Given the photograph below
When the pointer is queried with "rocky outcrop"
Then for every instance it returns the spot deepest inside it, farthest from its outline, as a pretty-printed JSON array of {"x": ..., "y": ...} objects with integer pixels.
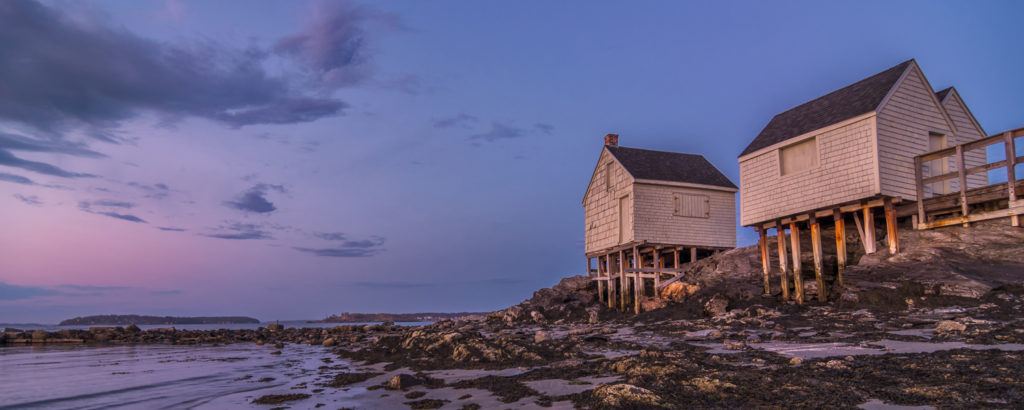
[{"x": 572, "y": 300}]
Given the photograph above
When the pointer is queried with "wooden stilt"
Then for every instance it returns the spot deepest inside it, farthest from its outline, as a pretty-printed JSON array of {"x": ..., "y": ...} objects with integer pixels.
[
  {"x": 693, "y": 255},
  {"x": 869, "y": 231},
  {"x": 762, "y": 245},
  {"x": 891, "y": 231},
  {"x": 675, "y": 255},
  {"x": 919, "y": 182},
  {"x": 610, "y": 261},
  {"x": 816, "y": 250},
  {"x": 660, "y": 263},
  {"x": 637, "y": 282},
  {"x": 622, "y": 280},
  {"x": 781, "y": 239},
  {"x": 798, "y": 280},
  {"x": 840, "y": 245}
]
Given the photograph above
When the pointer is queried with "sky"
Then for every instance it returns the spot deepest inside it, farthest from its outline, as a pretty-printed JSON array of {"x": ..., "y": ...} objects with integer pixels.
[{"x": 291, "y": 160}]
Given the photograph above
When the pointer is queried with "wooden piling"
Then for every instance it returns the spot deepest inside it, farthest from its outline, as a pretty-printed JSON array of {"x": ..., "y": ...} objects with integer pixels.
[
  {"x": 919, "y": 182},
  {"x": 622, "y": 280},
  {"x": 637, "y": 282},
  {"x": 781, "y": 239},
  {"x": 659, "y": 262},
  {"x": 840, "y": 244},
  {"x": 869, "y": 231},
  {"x": 693, "y": 255},
  {"x": 762, "y": 245},
  {"x": 892, "y": 233},
  {"x": 798, "y": 280},
  {"x": 816, "y": 250}
]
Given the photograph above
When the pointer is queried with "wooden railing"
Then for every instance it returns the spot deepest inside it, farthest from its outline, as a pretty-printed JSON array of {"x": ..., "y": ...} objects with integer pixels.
[{"x": 1015, "y": 208}]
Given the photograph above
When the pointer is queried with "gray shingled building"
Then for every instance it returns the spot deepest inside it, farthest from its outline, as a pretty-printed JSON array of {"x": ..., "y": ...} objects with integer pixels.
[{"x": 653, "y": 209}]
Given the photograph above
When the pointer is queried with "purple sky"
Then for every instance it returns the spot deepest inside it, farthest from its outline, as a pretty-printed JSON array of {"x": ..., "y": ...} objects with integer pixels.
[{"x": 289, "y": 160}]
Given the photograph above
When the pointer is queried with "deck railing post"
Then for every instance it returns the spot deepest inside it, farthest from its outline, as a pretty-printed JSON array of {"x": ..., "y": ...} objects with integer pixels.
[
  {"x": 919, "y": 182},
  {"x": 1011, "y": 175},
  {"x": 962, "y": 173}
]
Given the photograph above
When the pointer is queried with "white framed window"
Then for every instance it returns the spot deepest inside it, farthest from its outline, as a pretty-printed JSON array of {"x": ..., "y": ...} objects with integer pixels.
[
  {"x": 691, "y": 205},
  {"x": 799, "y": 157}
]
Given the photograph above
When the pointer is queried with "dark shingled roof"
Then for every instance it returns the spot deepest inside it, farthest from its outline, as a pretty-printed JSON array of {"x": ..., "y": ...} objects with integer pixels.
[
  {"x": 942, "y": 94},
  {"x": 858, "y": 98},
  {"x": 669, "y": 166}
]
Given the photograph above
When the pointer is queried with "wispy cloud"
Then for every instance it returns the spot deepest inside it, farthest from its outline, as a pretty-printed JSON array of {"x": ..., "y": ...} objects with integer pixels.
[
  {"x": 545, "y": 129},
  {"x": 254, "y": 199},
  {"x": 30, "y": 199},
  {"x": 462, "y": 120},
  {"x": 344, "y": 247},
  {"x": 15, "y": 292},
  {"x": 86, "y": 206},
  {"x": 170, "y": 229},
  {"x": 498, "y": 131},
  {"x": 238, "y": 231}
]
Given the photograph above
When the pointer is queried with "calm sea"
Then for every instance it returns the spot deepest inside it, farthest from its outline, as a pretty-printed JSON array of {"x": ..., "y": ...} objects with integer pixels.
[
  {"x": 286, "y": 323},
  {"x": 167, "y": 376}
]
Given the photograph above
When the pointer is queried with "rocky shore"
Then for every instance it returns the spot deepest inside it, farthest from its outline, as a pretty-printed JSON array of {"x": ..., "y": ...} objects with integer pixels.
[{"x": 941, "y": 325}]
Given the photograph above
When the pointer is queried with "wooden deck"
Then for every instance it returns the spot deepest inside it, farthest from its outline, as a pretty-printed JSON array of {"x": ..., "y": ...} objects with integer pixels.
[{"x": 968, "y": 205}]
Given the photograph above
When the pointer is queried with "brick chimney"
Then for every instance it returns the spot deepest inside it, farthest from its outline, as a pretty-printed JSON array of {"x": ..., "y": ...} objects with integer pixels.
[{"x": 611, "y": 139}]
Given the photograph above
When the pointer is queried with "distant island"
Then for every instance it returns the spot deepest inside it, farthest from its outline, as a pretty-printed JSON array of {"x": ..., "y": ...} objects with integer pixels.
[
  {"x": 156, "y": 320},
  {"x": 394, "y": 317}
]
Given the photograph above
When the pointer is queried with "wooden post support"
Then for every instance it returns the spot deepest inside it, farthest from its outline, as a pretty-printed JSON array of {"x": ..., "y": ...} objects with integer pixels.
[
  {"x": 891, "y": 230},
  {"x": 637, "y": 282},
  {"x": 1011, "y": 174},
  {"x": 869, "y": 231},
  {"x": 919, "y": 183},
  {"x": 762, "y": 245},
  {"x": 589, "y": 267},
  {"x": 693, "y": 255},
  {"x": 781, "y": 239},
  {"x": 659, "y": 262},
  {"x": 798, "y": 280},
  {"x": 611, "y": 285},
  {"x": 622, "y": 280},
  {"x": 675, "y": 255},
  {"x": 816, "y": 250},
  {"x": 962, "y": 173},
  {"x": 840, "y": 244}
]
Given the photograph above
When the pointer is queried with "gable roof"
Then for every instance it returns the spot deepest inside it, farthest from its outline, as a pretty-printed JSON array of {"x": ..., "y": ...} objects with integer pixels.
[
  {"x": 941, "y": 95},
  {"x": 855, "y": 99},
  {"x": 669, "y": 166},
  {"x": 952, "y": 92}
]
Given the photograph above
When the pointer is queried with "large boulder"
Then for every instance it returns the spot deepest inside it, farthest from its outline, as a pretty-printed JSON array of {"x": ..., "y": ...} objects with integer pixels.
[{"x": 716, "y": 306}]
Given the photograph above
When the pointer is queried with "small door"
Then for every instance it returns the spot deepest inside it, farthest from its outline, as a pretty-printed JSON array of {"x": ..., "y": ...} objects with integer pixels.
[
  {"x": 624, "y": 223},
  {"x": 939, "y": 166}
]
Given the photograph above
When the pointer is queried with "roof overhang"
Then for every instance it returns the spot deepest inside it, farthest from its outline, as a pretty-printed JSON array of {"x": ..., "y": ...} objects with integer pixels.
[
  {"x": 685, "y": 185},
  {"x": 807, "y": 135}
]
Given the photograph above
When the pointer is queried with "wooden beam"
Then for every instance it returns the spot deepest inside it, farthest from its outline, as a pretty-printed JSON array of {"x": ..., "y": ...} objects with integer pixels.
[
  {"x": 693, "y": 255},
  {"x": 762, "y": 246},
  {"x": 869, "y": 231},
  {"x": 891, "y": 230},
  {"x": 860, "y": 229},
  {"x": 921, "y": 216},
  {"x": 1011, "y": 174},
  {"x": 961, "y": 168},
  {"x": 1016, "y": 210},
  {"x": 853, "y": 206},
  {"x": 600, "y": 284},
  {"x": 675, "y": 255},
  {"x": 622, "y": 280},
  {"x": 658, "y": 263},
  {"x": 638, "y": 282},
  {"x": 840, "y": 245},
  {"x": 781, "y": 239},
  {"x": 798, "y": 280},
  {"x": 816, "y": 250}
]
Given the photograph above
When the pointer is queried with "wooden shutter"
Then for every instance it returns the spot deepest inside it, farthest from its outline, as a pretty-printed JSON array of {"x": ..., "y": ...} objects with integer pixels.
[{"x": 691, "y": 206}]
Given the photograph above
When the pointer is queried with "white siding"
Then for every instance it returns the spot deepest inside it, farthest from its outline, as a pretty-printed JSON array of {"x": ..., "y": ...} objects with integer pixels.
[
  {"x": 966, "y": 131},
  {"x": 656, "y": 222},
  {"x": 904, "y": 122},
  {"x": 846, "y": 172},
  {"x": 601, "y": 206}
]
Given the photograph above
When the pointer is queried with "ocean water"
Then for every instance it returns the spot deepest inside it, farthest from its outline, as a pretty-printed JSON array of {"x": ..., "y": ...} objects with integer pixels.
[
  {"x": 236, "y": 326},
  {"x": 150, "y": 376}
]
